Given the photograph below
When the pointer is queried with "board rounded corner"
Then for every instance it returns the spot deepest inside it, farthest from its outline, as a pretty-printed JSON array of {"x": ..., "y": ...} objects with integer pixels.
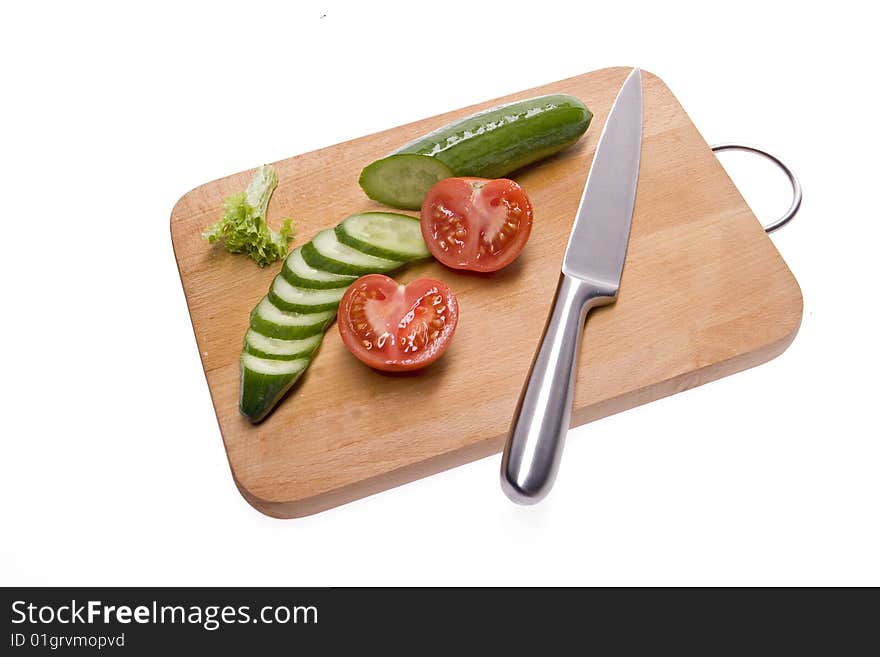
[
  {"x": 278, "y": 509},
  {"x": 797, "y": 317},
  {"x": 182, "y": 202},
  {"x": 788, "y": 330}
]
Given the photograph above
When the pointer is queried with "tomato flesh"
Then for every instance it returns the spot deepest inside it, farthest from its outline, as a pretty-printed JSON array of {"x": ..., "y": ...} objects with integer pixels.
[
  {"x": 476, "y": 224},
  {"x": 396, "y": 328}
]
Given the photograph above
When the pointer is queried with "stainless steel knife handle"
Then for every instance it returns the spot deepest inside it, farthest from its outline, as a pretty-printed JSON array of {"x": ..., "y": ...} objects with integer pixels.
[{"x": 537, "y": 434}]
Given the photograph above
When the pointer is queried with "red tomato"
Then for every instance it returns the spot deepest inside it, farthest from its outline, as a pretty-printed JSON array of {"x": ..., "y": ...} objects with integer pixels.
[
  {"x": 394, "y": 327},
  {"x": 476, "y": 223}
]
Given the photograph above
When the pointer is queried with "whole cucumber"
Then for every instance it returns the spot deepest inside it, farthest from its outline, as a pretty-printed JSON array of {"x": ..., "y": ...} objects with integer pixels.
[{"x": 489, "y": 144}]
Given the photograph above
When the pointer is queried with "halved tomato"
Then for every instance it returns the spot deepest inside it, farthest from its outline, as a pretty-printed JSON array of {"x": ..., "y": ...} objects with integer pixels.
[
  {"x": 476, "y": 223},
  {"x": 394, "y": 327}
]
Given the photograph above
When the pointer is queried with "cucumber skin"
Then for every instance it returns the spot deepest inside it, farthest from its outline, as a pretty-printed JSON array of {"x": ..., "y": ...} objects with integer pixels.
[
  {"x": 370, "y": 249},
  {"x": 263, "y": 354},
  {"x": 259, "y": 392},
  {"x": 487, "y": 144},
  {"x": 309, "y": 284},
  {"x": 314, "y": 258},
  {"x": 303, "y": 308},
  {"x": 278, "y": 302},
  {"x": 286, "y": 332},
  {"x": 556, "y": 121},
  {"x": 306, "y": 353}
]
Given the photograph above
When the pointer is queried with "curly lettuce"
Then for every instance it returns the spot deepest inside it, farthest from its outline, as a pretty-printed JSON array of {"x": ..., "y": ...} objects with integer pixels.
[{"x": 243, "y": 227}]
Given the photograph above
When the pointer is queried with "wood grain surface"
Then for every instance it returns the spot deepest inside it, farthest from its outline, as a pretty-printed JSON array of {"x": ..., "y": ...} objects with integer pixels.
[{"x": 704, "y": 294}]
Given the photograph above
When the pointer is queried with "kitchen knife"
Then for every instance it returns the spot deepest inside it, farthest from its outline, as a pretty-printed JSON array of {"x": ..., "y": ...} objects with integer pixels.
[{"x": 590, "y": 277}]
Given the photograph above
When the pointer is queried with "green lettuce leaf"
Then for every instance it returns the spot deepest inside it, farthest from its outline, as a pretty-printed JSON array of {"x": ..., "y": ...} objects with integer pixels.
[{"x": 243, "y": 227}]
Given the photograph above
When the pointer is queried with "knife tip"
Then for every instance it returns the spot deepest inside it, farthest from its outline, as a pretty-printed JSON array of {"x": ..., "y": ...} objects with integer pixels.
[{"x": 634, "y": 79}]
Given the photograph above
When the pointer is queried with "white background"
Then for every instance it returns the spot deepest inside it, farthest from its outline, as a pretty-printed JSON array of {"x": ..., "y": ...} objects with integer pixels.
[{"x": 112, "y": 469}]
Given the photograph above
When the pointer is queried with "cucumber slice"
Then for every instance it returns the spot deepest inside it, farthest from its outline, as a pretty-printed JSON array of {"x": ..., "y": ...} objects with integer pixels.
[
  {"x": 265, "y": 347},
  {"x": 288, "y": 297},
  {"x": 384, "y": 234},
  {"x": 271, "y": 321},
  {"x": 264, "y": 382},
  {"x": 298, "y": 272},
  {"x": 271, "y": 366},
  {"x": 402, "y": 180},
  {"x": 327, "y": 253}
]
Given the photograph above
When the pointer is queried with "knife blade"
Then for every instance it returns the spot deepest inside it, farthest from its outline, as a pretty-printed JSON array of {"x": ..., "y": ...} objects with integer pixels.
[{"x": 590, "y": 277}]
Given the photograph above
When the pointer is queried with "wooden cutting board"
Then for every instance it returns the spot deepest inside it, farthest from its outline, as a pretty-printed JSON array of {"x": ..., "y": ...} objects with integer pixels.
[{"x": 704, "y": 294}]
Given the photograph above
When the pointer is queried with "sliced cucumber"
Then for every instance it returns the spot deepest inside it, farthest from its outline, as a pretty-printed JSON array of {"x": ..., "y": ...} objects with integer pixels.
[
  {"x": 303, "y": 300},
  {"x": 298, "y": 272},
  {"x": 266, "y": 347},
  {"x": 384, "y": 234},
  {"x": 271, "y": 321},
  {"x": 287, "y": 326},
  {"x": 401, "y": 180},
  {"x": 272, "y": 366},
  {"x": 264, "y": 382},
  {"x": 327, "y": 253}
]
